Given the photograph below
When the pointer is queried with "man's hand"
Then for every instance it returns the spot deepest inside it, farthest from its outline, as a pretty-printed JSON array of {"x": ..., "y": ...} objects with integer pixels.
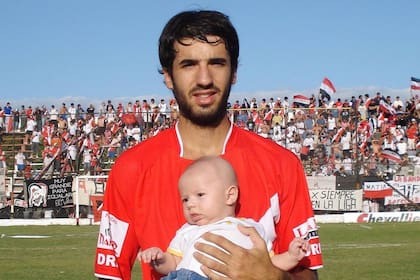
[{"x": 237, "y": 262}]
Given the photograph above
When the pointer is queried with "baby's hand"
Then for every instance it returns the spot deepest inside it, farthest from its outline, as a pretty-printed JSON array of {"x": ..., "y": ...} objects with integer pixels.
[
  {"x": 151, "y": 255},
  {"x": 298, "y": 248}
]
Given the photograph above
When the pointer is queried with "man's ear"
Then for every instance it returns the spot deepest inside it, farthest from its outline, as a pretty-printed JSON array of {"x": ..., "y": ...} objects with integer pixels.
[
  {"x": 234, "y": 77},
  {"x": 167, "y": 79},
  {"x": 232, "y": 194}
]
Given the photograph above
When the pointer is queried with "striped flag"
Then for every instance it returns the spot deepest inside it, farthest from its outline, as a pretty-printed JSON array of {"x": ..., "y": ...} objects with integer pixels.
[
  {"x": 301, "y": 99},
  {"x": 386, "y": 108},
  {"x": 364, "y": 127},
  {"x": 391, "y": 155},
  {"x": 327, "y": 89},
  {"x": 254, "y": 116},
  {"x": 338, "y": 135},
  {"x": 415, "y": 84},
  {"x": 269, "y": 115}
]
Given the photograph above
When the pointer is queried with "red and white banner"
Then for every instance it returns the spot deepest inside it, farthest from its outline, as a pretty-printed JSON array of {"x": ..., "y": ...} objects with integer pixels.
[
  {"x": 407, "y": 187},
  {"x": 376, "y": 190}
]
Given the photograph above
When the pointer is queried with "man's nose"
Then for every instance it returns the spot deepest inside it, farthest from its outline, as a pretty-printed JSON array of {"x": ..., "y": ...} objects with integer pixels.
[{"x": 204, "y": 76}]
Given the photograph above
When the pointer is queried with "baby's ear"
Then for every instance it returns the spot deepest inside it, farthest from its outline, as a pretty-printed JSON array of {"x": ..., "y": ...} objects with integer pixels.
[{"x": 232, "y": 194}]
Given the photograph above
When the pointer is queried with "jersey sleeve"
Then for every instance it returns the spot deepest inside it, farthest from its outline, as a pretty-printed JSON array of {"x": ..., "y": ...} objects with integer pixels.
[
  {"x": 297, "y": 218},
  {"x": 117, "y": 247}
]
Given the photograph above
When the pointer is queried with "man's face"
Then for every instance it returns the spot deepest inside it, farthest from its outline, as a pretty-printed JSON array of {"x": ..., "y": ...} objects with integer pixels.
[{"x": 201, "y": 80}]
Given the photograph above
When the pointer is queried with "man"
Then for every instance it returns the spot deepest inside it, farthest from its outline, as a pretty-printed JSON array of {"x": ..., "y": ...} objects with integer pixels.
[{"x": 199, "y": 53}]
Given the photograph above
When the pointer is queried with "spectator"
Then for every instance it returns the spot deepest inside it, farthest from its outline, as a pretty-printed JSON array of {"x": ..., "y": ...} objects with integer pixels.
[
  {"x": 35, "y": 142},
  {"x": 16, "y": 121},
  {"x": 3, "y": 165},
  {"x": 163, "y": 110},
  {"x": 402, "y": 147},
  {"x": 1, "y": 120},
  {"x": 72, "y": 111},
  {"x": 63, "y": 112},
  {"x": 412, "y": 135},
  {"x": 80, "y": 112},
  {"x": 23, "y": 118},
  {"x": 48, "y": 165},
  {"x": 53, "y": 113},
  {"x": 87, "y": 160},
  {"x": 20, "y": 161}
]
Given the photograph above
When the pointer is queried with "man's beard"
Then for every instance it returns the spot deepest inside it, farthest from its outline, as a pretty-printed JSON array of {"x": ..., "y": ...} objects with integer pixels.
[{"x": 207, "y": 119}]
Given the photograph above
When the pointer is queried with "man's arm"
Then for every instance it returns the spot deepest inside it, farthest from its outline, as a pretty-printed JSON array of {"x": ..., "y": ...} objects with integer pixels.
[{"x": 239, "y": 263}]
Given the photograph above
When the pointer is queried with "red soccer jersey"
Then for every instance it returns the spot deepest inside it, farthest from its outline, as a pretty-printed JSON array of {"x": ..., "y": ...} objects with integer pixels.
[{"x": 142, "y": 207}]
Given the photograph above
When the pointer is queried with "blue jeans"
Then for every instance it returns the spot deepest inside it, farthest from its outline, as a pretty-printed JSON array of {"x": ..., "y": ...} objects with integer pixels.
[{"x": 183, "y": 274}]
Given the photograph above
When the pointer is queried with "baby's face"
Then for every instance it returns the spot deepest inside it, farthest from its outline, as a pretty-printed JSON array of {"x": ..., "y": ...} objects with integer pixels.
[{"x": 203, "y": 200}]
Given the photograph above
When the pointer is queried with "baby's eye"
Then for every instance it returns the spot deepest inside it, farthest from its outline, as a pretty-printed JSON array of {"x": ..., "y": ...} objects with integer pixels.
[
  {"x": 201, "y": 194},
  {"x": 184, "y": 200}
]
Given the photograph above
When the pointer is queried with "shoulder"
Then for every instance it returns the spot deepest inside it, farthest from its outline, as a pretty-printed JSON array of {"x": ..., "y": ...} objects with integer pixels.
[
  {"x": 258, "y": 147},
  {"x": 144, "y": 154}
]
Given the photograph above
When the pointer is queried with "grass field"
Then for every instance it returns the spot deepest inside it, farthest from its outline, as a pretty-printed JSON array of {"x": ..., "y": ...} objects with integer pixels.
[{"x": 351, "y": 251}]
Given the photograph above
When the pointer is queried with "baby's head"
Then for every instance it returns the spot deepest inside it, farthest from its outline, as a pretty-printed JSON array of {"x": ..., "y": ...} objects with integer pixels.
[{"x": 208, "y": 190}]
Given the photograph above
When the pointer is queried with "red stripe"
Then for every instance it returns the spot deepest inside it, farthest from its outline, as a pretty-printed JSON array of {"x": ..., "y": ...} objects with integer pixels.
[
  {"x": 329, "y": 84},
  {"x": 391, "y": 156},
  {"x": 377, "y": 194}
]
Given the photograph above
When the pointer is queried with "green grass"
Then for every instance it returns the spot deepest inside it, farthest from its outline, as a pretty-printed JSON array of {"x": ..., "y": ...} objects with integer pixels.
[
  {"x": 351, "y": 251},
  {"x": 370, "y": 251},
  {"x": 68, "y": 253}
]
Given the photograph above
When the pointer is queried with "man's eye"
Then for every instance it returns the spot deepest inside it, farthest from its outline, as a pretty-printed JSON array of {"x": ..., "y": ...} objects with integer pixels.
[
  {"x": 219, "y": 62},
  {"x": 186, "y": 65}
]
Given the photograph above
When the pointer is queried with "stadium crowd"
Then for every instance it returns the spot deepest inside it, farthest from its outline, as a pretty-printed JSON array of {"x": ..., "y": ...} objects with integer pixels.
[{"x": 359, "y": 135}]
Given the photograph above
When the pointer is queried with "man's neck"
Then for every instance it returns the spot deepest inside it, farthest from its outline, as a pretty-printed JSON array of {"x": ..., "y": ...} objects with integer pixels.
[{"x": 201, "y": 141}]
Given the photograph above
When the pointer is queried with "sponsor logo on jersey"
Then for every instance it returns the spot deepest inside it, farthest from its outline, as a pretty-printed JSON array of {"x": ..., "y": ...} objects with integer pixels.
[
  {"x": 112, "y": 233},
  {"x": 309, "y": 231}
]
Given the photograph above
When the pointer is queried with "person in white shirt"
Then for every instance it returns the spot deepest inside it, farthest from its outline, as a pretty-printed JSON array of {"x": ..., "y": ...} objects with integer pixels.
[
  {"x": 347, "y": 165},
  {"x": 35, "y": 142},
  {"x": 402, "y": 147},
  {"x": 398, "y": 103},
  {"x": 399, "y": 133},
  {"x": 163, "y": 111},
  {"x": 87, "y": 158},
  {"x": 72, "y": 112},
  {"x": 30, "y": 126},
  {"x": 72, "y": 154},
  {"x": 345, "y": 143},
  {"x": 53, "y": 115},
  {"x": 331, "y": 122},
  {"x": 20, "y": 160},
  {"x": 72, "y": 127},
  {"x": 389, "y": 144}
]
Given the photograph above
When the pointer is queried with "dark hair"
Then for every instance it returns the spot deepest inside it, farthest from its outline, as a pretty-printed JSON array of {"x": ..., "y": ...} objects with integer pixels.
[{"x": 197, "y": 25}]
